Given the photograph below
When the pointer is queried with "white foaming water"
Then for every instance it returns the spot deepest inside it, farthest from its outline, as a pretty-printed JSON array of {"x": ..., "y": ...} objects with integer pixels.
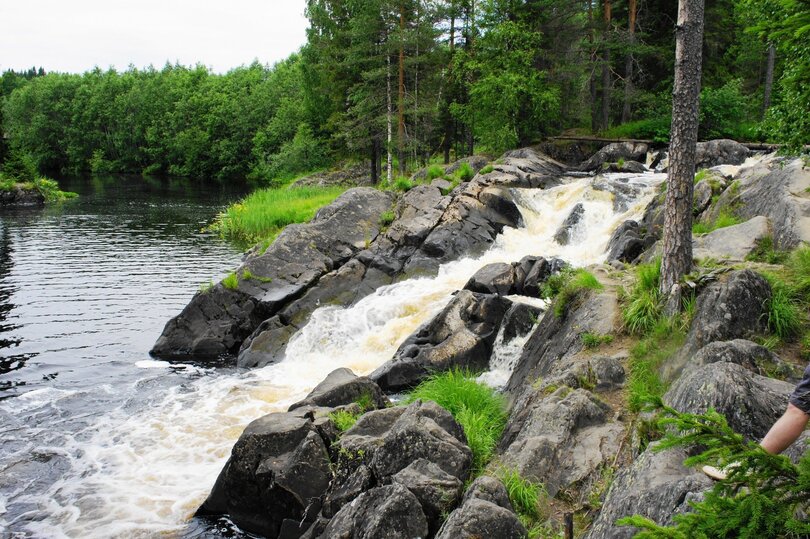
[{"x": 143, "y": 472}]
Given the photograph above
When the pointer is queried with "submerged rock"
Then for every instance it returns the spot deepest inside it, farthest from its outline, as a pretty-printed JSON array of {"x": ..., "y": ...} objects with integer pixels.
[{"x": 565, "y": 234}]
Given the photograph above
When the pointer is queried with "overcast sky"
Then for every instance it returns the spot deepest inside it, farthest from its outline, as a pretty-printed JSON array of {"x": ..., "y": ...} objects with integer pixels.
[{"x": 77, "y": 35}]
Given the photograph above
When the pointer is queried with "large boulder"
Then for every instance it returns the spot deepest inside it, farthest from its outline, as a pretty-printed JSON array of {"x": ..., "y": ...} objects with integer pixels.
[
  {"x": 750, "y": 402},
  {"x": 657, "y": 486},
  {"x": 489, "y": 489},
  {"x": 460, "y": 336},
  {"x": 343, "y": 387},
  {"x": 720, "y": 152},
  {"x": 562, "y": 439},
  {"x": 437, "y": 491},
  {"x": 625, "y": 151},
  {"x": 278, "y": 470},
  {"x": 734, "y": 242},
  {"x": 19, "y": 197},
  {"x": 390, "y": 511},
  {"x": 725, "y": 310},
  {"x": 477, "y": 518},
  {"x": 216, "y": 322},
  {"x": 497, "y": 278},
  {"x": 752, "y": 356},
  {"x": 626, "y": 243}
]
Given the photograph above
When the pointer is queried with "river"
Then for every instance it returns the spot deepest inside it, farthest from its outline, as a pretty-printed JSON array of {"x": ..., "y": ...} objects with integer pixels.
[{"x": 101, "y": 441}]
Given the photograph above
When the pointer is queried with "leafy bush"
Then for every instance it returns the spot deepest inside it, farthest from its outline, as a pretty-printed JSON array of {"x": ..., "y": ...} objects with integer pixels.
[
  {"x": 762, "y": 496},
  {"x": 20, "y": 166},
  {"x": 721, "y": 110},
  {"x": 262, "y": 214},
  {"x": 479, "y": 409}
]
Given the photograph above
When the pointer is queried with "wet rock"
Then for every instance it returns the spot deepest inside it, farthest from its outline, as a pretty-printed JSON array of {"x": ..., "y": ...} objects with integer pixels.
[
  {"x": 566, "y": 231},
  {"x": 21, "y": 198},
  {"x": 390, "y": 511},
  {"x": 561, "y": 439},
  {"x": 724, "y": 311},
  {"x": 342, "y": 387},
  {"x": 519, "y": 320},
  {"x": 479, "y": 518},
  {"x": 626, "y": 244},
  {"x": 538, "y": 273},
  {"x": 460, "y": 336},
  {"x": 734, "y": 242},
  {"x": 752, "y": 356},
  {"x": 555, "y": 343},
  {"x": 266, "y": 344},
  {"x": 217, "y": 321},
  {"x": 750, "y": 402},
  {"x": 612, "y": 153},
  {"x": 437, "y": 491},
  {"x": 720, "y": 152},
  {"x": 657, "y": 486},
  {"x": 345, "y": 489},
  {"x": 493, "y": 279},
  {"x": 702, "y": 197},
  {"x": 279, "y": 462},
  {"x": 630, "y": 166}
]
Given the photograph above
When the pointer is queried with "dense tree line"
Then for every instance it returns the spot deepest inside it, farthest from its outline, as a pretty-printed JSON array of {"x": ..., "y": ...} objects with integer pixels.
[{"x": 395, "y": 82}]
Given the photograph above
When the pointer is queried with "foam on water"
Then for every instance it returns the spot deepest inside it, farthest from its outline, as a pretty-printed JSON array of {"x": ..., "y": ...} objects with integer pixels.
[{"x": 142, "y": 469}]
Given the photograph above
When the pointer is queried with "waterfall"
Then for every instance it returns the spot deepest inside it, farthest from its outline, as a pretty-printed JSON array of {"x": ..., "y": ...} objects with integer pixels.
[{"x": 144, "y": 467}]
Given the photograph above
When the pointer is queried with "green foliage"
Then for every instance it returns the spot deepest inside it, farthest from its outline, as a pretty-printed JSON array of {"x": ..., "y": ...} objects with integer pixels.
[
  {"x": 386, "y": 218},
  {"x": 247, "y": 275},
  {"x": 782, "y": 311},
  {"x": 721, "y": 110},
  {"x": 767, "y": 252},
  {"x": 344, "y": 420},
  {"x": 20, "y": 166},
  {"x": 403, "y": 184},
  {"x": 433, "y": 172},
  {"x": 487, "y": 169},
  {"x": 567, "y": 286},
  {"x": 524, "y": 495},
  {"x": 664, "y": 339},
  {"x": 760, "y": 497},
  {"x": 465, "y": 172},
  {"x": 479, "y": 409},
  {"x": 231, "y": 282},
  {"x": 701, "y": 175},
  {"x": 724, "y": 219},
  {"x": 263, "y": 213},
  {"x": 643, "y": 308},
  {"x": 655, "y": 129},
  {"x": 595, "y": 340}
]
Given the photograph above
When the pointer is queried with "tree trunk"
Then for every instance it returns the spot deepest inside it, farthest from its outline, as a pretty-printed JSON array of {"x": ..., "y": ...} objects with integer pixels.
[
  {"x": 606, "y": 67},
  {"x": 677, "y": 256},
  {"x": 401, "y": 95},
  {"x": 628, "y": 63},
  {"x": 449, "y": 132},
  {"x": 766, "y": 101},
  {"x": 389, "y": 123},
  {"x": 592, "y": 78},
  {"x": 375, "y": 150}
]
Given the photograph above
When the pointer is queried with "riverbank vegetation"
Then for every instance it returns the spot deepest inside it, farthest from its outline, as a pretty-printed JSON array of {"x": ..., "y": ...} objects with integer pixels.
[{"x": 402, "y": 83}]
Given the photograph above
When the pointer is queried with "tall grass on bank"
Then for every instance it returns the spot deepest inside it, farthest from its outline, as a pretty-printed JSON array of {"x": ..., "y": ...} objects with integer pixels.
[
  {"x": 478, "y": 408},
  {"x": 644, "y": 308},
  {"x": 264, "y": 213}
]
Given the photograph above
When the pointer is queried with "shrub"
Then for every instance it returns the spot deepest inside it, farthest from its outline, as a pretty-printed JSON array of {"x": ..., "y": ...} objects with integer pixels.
[
  {"x": 656, "y": 129},
  {"x": 721, "y": 110},
  {"x": 763, "y": 495},
  {"x": 403, "y": 184},
  {"x": 434, "y": 171},
  {"x": 479, "y": 409}
]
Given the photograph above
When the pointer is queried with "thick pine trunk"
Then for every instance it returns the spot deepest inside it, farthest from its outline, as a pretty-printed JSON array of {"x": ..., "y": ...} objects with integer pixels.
[
  {"x": 766, "y": 101},
  {"x": 628, "y": 63},
  {"x": 677, "y": 256}
]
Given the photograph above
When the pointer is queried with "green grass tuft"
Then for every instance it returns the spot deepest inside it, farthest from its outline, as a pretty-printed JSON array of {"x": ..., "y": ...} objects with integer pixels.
[
  {"x": 643, "y": 309},
  {"x": 403, "y": 184},
  {"x": 344, "y": 420},
  {"x": 260, "y": 216},
  {"x": 724, "y": 220},
  {"x": 767, "y": 252},
  {"x": 646, "y": 358},
  {"x": 386, "y": 218},
  {"x": 435, "y": 171},
  {"x": 782, "y": 311},
  {"x": 231, "y": 282},
  {"x": 566, "y": 286},
  {"x": 465, "y": 172},
  {"x": 486, "y": 170},
  {"x": 524, "y": 494},
  {"x": 595, "y": 340},
  {"x": 479, "y": 409}
]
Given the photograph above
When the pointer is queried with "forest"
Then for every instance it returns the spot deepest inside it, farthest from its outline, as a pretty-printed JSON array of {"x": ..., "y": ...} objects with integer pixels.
[{"x": 396, "y": 83}]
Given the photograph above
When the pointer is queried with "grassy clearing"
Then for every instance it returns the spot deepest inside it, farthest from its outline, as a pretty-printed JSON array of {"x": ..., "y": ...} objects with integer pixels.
[
  {"x": 565, "y": 286},
  {"x": 264, "y": 213},
  {"x": 479, "y": 409}
]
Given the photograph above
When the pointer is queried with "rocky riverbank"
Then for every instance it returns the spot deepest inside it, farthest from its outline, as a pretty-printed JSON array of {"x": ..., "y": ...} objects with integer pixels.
[{"x": 572, "y": 425}]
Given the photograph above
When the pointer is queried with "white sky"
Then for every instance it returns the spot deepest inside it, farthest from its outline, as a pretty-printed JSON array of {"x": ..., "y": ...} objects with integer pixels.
[{"x": 77, "y": 35}]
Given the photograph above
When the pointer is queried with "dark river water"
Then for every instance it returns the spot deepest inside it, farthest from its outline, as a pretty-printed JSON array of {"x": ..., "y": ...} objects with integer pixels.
[{"x": 86, "y": 286}]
